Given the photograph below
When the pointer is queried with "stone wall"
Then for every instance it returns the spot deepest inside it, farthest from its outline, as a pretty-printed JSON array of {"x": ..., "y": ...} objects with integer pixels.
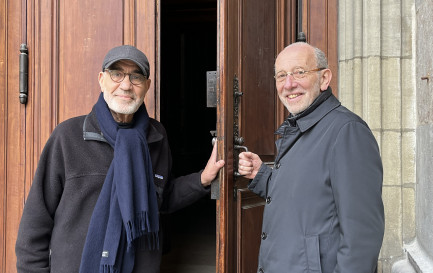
[
  {"x": 377, "y": 81},
  {"x": 420, "y": 251}
]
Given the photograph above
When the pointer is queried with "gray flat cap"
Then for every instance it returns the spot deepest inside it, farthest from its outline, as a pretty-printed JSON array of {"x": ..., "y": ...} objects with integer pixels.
[{"x": 127, "y": 52}]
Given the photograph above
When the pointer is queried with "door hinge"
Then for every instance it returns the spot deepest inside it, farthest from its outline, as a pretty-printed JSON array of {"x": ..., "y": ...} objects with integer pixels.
[{"x": 24, "y": 73}]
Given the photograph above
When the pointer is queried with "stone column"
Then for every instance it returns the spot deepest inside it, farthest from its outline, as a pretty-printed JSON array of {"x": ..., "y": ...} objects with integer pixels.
[
  {"x": 376, "y": 81},
  {"x": 420, "y": 251}
]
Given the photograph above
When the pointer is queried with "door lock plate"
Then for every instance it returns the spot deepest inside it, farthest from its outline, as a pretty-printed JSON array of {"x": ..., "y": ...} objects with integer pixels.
[{"x": 211, "y": 86}]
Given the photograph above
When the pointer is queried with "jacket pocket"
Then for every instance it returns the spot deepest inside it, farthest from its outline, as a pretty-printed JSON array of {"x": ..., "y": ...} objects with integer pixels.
[{"x": 313, "y": 254}]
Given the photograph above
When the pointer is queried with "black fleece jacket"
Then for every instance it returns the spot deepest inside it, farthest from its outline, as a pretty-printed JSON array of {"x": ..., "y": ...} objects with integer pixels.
[{"x": 66, "y": 186}]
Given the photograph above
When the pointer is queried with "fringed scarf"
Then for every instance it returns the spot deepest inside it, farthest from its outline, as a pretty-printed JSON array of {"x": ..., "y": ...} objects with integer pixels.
[{"x": 127, "y": 207}]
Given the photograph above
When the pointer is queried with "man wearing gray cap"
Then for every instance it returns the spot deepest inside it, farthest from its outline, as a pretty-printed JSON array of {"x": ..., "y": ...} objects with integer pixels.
[{"x": 102, "y": 181}]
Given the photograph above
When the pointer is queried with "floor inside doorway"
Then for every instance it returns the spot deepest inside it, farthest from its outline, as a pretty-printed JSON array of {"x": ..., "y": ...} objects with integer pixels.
[{"x": 193, "y": 239}]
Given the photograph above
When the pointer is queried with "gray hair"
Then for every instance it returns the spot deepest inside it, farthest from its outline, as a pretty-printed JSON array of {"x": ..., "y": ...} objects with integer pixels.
[{"x": 321, "y": 60}]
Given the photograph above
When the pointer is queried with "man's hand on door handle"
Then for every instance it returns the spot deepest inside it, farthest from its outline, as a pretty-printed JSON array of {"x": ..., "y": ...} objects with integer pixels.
[
  {"x": 249, "y": 164},
  {"x": 212, "y": 168}
]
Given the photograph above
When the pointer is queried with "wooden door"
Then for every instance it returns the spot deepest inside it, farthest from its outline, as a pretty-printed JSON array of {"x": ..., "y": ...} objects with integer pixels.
[
  {"x": 251, "y": 33},
  {"x": 67, "y": 41},
  {"x": 249, "y": 38}
]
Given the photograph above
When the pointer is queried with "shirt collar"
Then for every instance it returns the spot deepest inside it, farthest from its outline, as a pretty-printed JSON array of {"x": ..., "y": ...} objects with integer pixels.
[{"x": 321, "y": 106}]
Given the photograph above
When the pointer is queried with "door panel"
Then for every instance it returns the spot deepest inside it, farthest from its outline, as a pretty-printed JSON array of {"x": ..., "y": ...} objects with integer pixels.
[
  {"x": 84, "y": 38},
  {"x": 12, "y": 128},
  {"x": 67, "y": 41},
  {"x": 249, "y": 227},
  {"x": 246, "y": 54},
  {"x": 256, "y": 81},
  {"x": 320, "y": 26}
]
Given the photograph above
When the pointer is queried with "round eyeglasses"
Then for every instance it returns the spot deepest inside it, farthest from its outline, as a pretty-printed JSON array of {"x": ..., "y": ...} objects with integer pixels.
[
  {"x": 297, "y": 74},
  {"x": 118, "y": 76}
]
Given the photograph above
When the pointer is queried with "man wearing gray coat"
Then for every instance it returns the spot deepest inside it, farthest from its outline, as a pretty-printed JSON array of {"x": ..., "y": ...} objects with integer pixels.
[{"x": 324, "y": 211}]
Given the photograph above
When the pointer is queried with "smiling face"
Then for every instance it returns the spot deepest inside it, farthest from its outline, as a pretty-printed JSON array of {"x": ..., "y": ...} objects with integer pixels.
[
  {"x": 123, "y": 98},
  {"x": 297, "y": 95}
]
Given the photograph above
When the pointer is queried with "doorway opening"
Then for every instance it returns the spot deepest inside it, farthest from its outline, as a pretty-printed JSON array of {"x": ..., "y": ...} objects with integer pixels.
[{"x": 188, "y": 51}]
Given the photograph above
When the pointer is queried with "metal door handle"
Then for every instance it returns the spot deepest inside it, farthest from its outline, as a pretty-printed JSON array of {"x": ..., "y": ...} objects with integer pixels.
[
  {"x": 215, "y": 184},
  {"x": 239, "y": 147}
]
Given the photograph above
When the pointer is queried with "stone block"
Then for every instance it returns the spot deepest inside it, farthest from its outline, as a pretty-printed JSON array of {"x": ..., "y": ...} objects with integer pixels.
[
  {"x": 345, "y": 92},
  {"x": 342, "y": 31},
  {"x": 391, "y": 94},
  {"x": 392, "y": 241},
  {"x": 391, "y": 158},
  {"x": 372, "y": 92},
  {"x": 408, "y": 157},
  {"x": 408, "y": 214},
  {"x": 357, "y": 87},
  {"x": 348, "y": 26},
  {"x": 407, "y": 28},
  {"x": 372, "y": 28},
  {"x": 408, "y": 94},
  {"x": 391, "y": 28},
  {"x": 357, "y": 29}
]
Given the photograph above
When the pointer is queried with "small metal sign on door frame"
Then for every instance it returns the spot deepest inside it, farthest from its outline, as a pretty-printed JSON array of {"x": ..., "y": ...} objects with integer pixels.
[{"x": 211, "y": 86}]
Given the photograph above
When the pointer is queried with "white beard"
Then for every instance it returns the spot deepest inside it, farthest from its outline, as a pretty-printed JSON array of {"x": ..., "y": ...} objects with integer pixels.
[{"x": 122, "y": 107}]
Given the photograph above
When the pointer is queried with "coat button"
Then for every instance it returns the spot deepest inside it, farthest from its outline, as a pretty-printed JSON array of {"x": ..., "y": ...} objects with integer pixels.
[
  {"x": 277, "y": 166},
  {"x": 268, "y": 200},
  {"x": 264, "y": 235},
  {"x": 261, "y": 270}
]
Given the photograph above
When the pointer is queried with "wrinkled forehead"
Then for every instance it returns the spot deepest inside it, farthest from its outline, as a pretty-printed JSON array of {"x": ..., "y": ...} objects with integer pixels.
[{"x": 295, "y": 56}]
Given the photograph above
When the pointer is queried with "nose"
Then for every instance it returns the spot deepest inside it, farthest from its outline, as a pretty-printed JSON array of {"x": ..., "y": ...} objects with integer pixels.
[
  {"x": 126, "y": 84},
  {"x": 290, "y": 82}
]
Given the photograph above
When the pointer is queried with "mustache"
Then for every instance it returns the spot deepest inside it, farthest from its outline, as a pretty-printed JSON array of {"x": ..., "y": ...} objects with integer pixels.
[{"x": 125, "y": 93}]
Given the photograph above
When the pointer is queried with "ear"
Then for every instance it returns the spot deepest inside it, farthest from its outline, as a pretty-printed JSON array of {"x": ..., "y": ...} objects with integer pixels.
[
  {"x": 325, "y": 79},
  {"x": 147, "y": 86},
  {"x": 101, "y": 80}
]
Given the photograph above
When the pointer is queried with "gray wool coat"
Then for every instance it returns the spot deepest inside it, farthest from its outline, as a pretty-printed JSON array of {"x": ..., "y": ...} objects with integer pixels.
[{"x": 324, "y": 211}]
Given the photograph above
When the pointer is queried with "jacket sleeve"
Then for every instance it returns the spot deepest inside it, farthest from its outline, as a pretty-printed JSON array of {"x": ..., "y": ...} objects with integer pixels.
[
  {"x": 259, "y": 184},
  {"x": 183, "y": 191},
  {"x": 34, "y": 234},
  {"x": 356, "y": 179}
]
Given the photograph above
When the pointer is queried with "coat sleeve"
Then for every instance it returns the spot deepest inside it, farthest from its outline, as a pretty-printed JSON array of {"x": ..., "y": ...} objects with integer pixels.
[
  {"x": 183, "y": 191},
  {"x": 259, "y": 184},
  {"x": 356, "y": 179},
  {"x": 34, "y": 234}
]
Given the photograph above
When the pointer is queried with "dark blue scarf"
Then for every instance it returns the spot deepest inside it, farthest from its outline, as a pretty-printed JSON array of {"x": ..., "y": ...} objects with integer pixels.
[{"x": 127, "y": 207}]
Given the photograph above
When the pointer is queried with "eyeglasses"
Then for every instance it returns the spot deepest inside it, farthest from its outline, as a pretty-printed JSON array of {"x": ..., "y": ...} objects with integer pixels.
[
  {"x": 297, "y": 74},
  {"x": 118, "y": 76}
]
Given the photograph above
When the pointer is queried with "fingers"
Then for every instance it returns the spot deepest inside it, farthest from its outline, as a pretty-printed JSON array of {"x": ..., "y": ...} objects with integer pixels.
[
  {"x": 214, "y": 153},
  {"x": 212, "y": 168},
  {"x": 249, "y": 164},
  {"x": 245, "y": 165},
  {"x": 246, "y": 155},
  {"x": 246, "y": 160}
]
